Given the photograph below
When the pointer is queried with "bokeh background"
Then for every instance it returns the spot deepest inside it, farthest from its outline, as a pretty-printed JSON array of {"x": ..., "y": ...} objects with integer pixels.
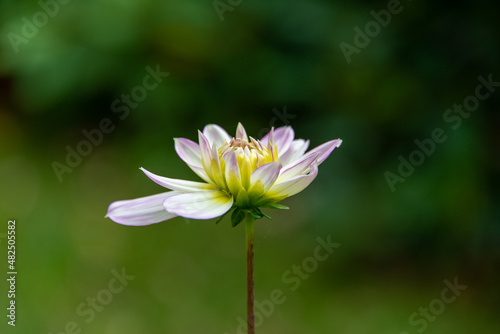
[{"x": 255, "y": 63}]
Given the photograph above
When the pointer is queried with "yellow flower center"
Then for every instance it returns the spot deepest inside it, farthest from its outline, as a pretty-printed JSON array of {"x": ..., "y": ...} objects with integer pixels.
[{"x": 250, "y": 155}]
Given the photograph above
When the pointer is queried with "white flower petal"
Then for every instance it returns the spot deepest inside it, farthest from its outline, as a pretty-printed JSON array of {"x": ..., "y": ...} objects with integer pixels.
[
  {"x": 282, "y": 137},
  {"x": 205, "y": 149},
  {"x": 298, "y": 168},
  {"x": 141, "y": 211},
  {"x": 215, "y": 133},
  {"x": 176, "y": 184},
  {"x": 294, "y": 185},
  {"x": 200, "y": 204},
  {"x": 325, "y": 149},
  {"x": 232, "y": 172},
  {"x": 241, "y": 133},
  {"x": 265, "y": 175},
  {"x": 206, "y": 155},
  {"x": 215, "y": 169},
  {"x": 200, "y": 171},
  {"x": 269, "y": 137},
  {"x": 188, "y": 151},
  {"x": 294, "y": 152}
]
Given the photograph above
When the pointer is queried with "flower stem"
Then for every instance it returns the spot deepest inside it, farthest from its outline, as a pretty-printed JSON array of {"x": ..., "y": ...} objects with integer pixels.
[{"x": 249, "y": 233}]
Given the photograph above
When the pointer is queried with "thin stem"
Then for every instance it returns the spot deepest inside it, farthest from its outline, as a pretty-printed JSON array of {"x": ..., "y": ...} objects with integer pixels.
[{"x": 249, "y": 233}]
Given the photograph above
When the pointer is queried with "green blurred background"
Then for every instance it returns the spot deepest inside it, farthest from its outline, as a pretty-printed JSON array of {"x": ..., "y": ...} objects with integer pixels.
[{"x": 263, "y": 60}]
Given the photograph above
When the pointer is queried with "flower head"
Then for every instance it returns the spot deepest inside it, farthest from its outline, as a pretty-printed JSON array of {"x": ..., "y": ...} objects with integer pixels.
[{"x": 239, "y": 172}]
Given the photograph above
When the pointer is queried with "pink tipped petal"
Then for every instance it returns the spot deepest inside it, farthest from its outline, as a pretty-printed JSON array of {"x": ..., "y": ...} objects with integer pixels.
[
  {"x": 298, "y": 168},
  {"x": 231, "y": 162},
  {"x": 199, "y": 205},
  {"x": 210, "y": 160},
  {"x": 232, "y": 172},
  {"x": 324, "y": 150},
  {"x": 200, "y": 171},
  {"x": 141, "y": 211},
  {"x": 294, "y": 185},
  {"x": 206, "y": 153},
  {"x": 215, "y": 168},
  {"x": 175, "y": 184},
  {"x": 214, "y": 154},
  {"x": 295, "y": 151},
  {"x": 256, "y": 143},
  {"x": 205, "y": 146},
  {"x": 266, "y": 175},
  {"x": 241, "y": 133},
  {"x": 215, "y": 133},
  {"x": 268, "y": 138},
  {"x": 265, "y": 140},
  {"x": 188, "y": 151},
  {"x": 282, "y": 137}
]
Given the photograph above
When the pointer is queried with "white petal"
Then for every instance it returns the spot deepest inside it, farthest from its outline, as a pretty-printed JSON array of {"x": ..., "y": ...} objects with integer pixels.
[
  {"x": 294, "y": 185},
  {"x": 176, "y": 184},
  {"x": 268, "y": 138},
  {"x": 215, "y": 133},
  {"x": 206, "y": 155},
  {"x": 190, "y": 153},
  {"x": 141, "y": 211},
  {"x": 232, "y": 172},
  {"x": 205, "y": 149},
  {"x": 266, "y": 175},
  {"x": 216, "y": 170},
  {"x": 325, "y": 149},
  {"x": 200, "y": 171},
  {"x": 298, "y": 168},
  {"x": 295, "y": 151},
  {"x": 282, "y": 137},
  {"x": 200, "y": 204},
  {"x": 241, "y": 133}
]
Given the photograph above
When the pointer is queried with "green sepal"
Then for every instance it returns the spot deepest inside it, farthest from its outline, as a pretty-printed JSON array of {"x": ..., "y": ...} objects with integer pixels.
[
  {"x": 242, "y": 199},
  {"x": 276, "y": 206},
  {"x": 237, "y": 217},
  {"x": 258, "y": 214}
]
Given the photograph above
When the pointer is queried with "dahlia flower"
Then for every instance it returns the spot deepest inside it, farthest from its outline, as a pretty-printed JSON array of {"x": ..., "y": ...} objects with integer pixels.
[{"x": 239, "y": 173}]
